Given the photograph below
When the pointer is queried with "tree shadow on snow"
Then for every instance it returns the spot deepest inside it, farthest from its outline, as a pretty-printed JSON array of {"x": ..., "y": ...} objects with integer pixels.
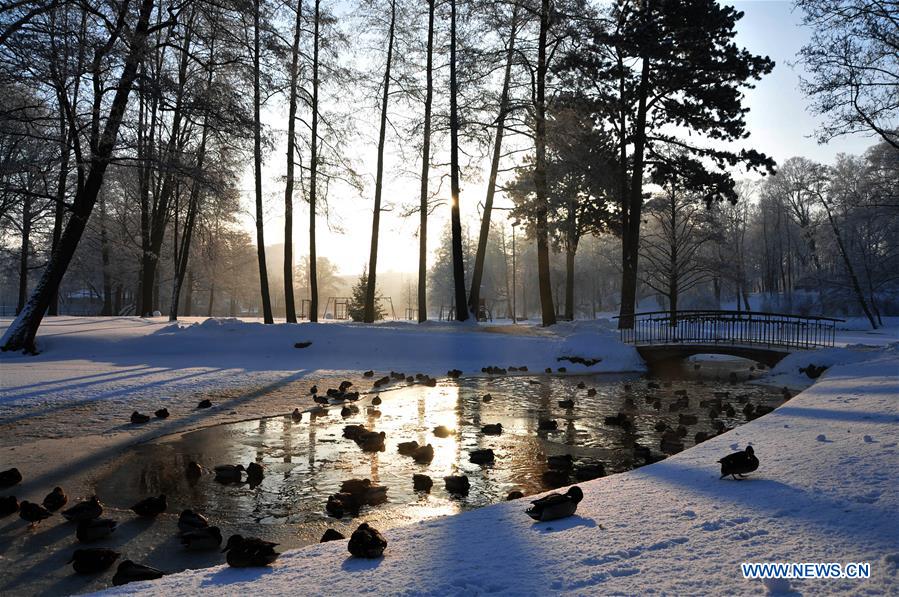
[{"x": 228, "y": 576}]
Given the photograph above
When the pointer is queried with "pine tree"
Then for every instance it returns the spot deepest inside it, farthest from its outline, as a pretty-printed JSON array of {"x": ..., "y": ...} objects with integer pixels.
[{"x": 356, "y": 308}]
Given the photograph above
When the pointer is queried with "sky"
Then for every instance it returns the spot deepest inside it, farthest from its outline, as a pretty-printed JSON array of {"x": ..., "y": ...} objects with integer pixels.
[{"x": 778, "y": 121}]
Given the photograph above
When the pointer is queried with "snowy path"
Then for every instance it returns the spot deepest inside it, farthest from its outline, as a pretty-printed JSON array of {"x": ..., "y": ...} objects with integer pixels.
[{"x": 826, "y": 491}]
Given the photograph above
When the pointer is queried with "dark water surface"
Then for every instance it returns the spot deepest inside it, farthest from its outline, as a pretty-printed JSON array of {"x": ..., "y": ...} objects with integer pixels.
[{"x": 306, "y": 462}]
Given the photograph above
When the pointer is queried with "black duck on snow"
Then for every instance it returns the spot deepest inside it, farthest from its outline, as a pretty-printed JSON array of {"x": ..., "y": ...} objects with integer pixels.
[
  {"x": 249, "y": 552},
  {"x": 150, "y": 507},
  {"x": 95, "y": 529},
  {"x": 739, "y": 463},
  {"x": 556, "y": 505},
  {"x": 367, "y": 542},
  {"x": 8, "y": 505},
  {"x": 33, "y": 513},
  {"x": 331, "y": 535},
  {"x": 56, "y": 499},
  {"x": 10, "y": 478},
  {"x": 93, "y": 560},
  {"x": 129, "y": 571},
  {"x": 189, "y": 520},
  {"x": 86, "y": 510}
]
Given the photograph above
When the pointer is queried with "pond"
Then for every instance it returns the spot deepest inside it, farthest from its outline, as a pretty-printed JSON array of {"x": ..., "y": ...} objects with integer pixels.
[{"x": 305, "y": 462}]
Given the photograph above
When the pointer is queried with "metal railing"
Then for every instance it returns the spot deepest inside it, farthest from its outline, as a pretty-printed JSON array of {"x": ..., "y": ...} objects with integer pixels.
[{"x": 731, "y": 327}]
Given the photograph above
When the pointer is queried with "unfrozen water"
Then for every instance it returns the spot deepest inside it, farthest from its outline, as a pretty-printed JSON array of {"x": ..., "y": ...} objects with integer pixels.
[{"x": 305, "y": 462}]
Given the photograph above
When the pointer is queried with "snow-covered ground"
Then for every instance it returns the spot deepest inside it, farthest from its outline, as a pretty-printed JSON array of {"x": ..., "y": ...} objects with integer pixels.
[
  {"x": 115, "y": 358},
  {"x": 826, "y": 491}
]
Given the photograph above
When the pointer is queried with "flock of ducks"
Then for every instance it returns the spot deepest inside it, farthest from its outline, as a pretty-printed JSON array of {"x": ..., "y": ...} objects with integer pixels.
[{"x": 197, "y": 534}]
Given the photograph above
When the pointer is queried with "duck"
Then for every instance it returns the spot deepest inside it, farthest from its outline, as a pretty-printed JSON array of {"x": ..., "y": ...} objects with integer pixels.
[
  {"x": 313, "y": 390},
  {"x": 566, "y": 403},
  {"x": 561, "y": 462},
  {"x": 205, "y": 403},
  {"x": 296, "y": 415},
  {"x": 255, "y": 473},
  {"x": 129, "y": 571},
  {"x": 367, "y": 542},
  {"x": 189, "y": 520},
  {"x": 93, "y": 560},
  {"x": 353, "y": 431},
  {"x": 591, "y": 392},
  {"x": 162, "y": 413},
  {"x": 661, "y": 426},
  {"x": 739, "y": 463},
  {"x": 8, "y": 505},
  {"x": 653, "y": 386},
  {"x": 86, "y": 510},
  {"x": 344, "y": 386},
  {"x": 139, "y": 418},
  {"x": 492, "y": 429},
  {"x": 442, "y": 431},
  {"x": 249, "y": 552},
  {"x": 457, "y": 484},
  {"x": 95, "y": 529},
  {"x": 687, "y": 419},
  {"x": 331, "y": 535},
  {"x": 369, "y": 373},
  {"x": 56, "y": 499},
  {"x": 547, "y": 425},
  {"x": 320, "y": 399},
  {"x": 424, "y": 454},
  {"x": 340, "y": 503},
  {"x": 556, "y": 505},
  {"x": 33, "y": 513},
  {"x": 376, "y": 401},
  {"x": 10, "y": 477},
  {"x": 422, "y": 482},
  {"x": 204, "y": 539},
  {"x": 700, "y": 437},
  {"x": 150, "y": 507},
  {"x": 372, "y": 441},
  {"x": 590, "y": 471},
  {"x": 192, "y": 470},
  {"x": 407, "y": 448},
  {"x": 229, "y": 473},
  {"x": 484, "y": 456},
  {"x": 555, "y": 478},
  {"x": 581, "y": 385},
  {"x": 515, "y": 494}
]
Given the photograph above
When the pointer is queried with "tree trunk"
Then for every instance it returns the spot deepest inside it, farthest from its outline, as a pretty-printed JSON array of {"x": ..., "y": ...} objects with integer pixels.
[
  {"x": 159, "y": 213},
  {"x": 474, "y": 295},
  {"x": 257, "y": 165},
  {"x": 290, "y": 312},
  {"x": 59, "y": 212},
  {"x": 313, "y": 172},
  {"x": 856, "y": 287},
  {"x": 210, "y": 307},
  {"x": 456, "y": 220},
  {"x": 630, "y": 240},
  {"x": 569, "y": 283},
  {"x": 21, "y": 333},
  {"x": 541, "y": 228},
  {"x": 23, "y": 255},
  {"x": 104, "y": 255},
  {"x": 369, "y": 311},
  {"x": 193, "y": 206},
  {"x": 425, "y": 167}
]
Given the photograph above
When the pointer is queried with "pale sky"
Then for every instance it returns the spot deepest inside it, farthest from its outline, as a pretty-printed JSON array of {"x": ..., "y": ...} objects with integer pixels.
[{"x": 778, "y": 121}]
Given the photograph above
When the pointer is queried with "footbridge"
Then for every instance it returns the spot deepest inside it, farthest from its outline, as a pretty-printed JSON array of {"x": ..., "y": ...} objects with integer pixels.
[{"x": 763, "y": 337}]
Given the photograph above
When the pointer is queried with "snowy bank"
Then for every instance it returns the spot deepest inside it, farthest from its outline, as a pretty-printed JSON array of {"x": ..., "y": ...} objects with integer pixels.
[
  {"x": 826, "y": 491},
  {"x": 87, "y": 359}
]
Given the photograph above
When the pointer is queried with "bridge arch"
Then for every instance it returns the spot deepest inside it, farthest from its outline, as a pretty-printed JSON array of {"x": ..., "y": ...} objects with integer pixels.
[{"x": 760, "y": 336}]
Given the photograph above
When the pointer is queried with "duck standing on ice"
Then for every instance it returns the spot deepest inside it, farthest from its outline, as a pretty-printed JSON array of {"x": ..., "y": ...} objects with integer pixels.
[
  {"x": 739, "y": 463},
  {"x": 556, "y": 505}
]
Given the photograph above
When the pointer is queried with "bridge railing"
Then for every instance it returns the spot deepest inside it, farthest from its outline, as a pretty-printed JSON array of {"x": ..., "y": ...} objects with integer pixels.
[{"x": 731, "y": 327}]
